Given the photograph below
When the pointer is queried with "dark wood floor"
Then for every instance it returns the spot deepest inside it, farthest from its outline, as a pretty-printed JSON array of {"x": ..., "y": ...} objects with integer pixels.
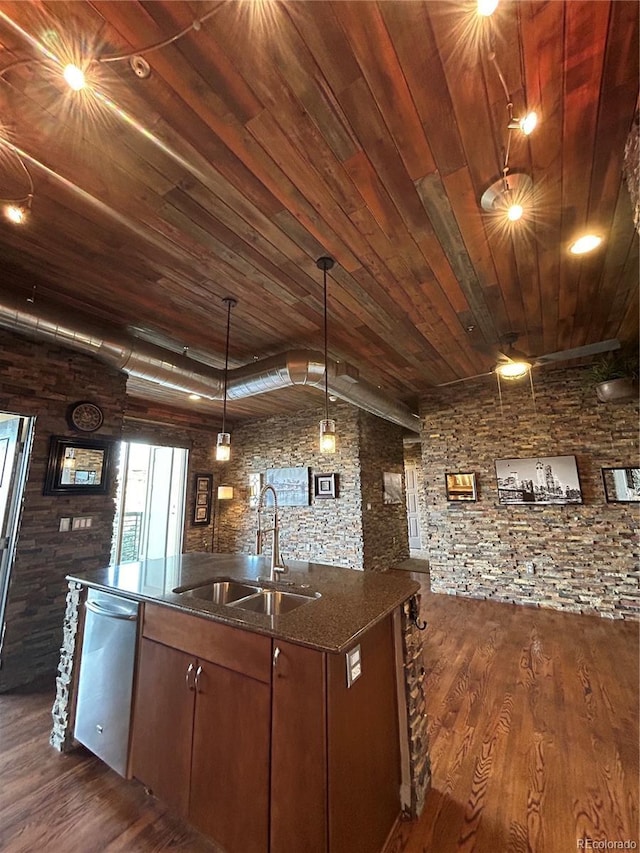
[{"x": 534, "y": 744}]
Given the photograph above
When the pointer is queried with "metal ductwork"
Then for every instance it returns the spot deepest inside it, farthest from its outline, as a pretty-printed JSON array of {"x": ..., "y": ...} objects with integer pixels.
[{"x": 153, "y": 364}]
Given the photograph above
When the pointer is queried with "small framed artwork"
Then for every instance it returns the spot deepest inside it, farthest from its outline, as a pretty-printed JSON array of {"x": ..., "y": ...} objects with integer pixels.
[
  {"x": 621, "y": 485},
  {"x": 461, "y": 486},
  {"x": 391, "y": 488},
  {"x": 78, "y": 466},
  {"x": 202, "y": 506},
  {"x": 325, "y": 485},
  {"x": 255, "y": 487},
  {"x": 538, "y": 480},
  {"x": 291, "y": 485}
]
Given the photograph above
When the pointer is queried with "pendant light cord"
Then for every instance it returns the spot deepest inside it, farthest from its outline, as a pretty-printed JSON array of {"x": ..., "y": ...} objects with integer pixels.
[
  {"x": 326, "y": 338},
  {"x": 230, "y": 303}
]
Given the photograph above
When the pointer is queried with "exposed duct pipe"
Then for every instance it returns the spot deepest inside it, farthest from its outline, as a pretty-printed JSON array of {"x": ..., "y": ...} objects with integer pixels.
[{"x": 153, "y": 364}]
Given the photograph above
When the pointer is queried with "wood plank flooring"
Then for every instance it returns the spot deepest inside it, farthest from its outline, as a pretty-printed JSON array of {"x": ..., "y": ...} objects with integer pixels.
[
  {"x": 533, "y": 725},
  {"x": 534, "y": 745}
]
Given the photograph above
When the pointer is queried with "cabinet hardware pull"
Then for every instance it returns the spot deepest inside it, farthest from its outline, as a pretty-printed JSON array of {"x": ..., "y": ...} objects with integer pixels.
[
  {"x": 276, "y": 655},
  {"x": 198, "y": 674},
  {"x": 189, "y": 673}
]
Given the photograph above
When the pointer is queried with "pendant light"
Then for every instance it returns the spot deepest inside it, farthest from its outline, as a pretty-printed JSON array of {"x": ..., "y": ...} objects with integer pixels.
[
  {"x": 223, "y": 445},
  {"x": 327, "y": 425}
]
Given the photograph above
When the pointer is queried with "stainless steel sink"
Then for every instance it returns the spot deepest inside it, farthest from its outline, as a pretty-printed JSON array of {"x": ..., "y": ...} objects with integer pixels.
[
  {"x": 274, "y": 602},
  {"x": 220, "y": 592}
]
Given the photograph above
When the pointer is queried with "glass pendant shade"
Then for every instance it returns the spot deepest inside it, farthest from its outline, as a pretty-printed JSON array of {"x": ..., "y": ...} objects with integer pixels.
[
  {"x": 327, "y": 436},
  {"x": 223, "y": 447}
]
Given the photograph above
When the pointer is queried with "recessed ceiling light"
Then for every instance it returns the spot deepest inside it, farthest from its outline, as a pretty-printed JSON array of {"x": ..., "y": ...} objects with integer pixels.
[
  {"x": 16, "y": 213},
  {"x": 195, "y": 397},
  {"x": 584, "y": 244}
]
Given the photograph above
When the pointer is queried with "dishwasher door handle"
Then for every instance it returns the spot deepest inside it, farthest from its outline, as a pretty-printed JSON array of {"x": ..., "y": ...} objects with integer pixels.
[{"x": 112, "y": 614}]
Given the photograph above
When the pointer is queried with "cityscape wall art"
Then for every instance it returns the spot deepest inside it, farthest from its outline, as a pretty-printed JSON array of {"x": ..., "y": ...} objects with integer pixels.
[{"x": 538, "y": 480}]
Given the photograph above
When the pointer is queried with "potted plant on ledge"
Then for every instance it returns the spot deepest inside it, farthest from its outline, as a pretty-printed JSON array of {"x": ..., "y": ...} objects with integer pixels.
[{"x": 615, "y": 376}]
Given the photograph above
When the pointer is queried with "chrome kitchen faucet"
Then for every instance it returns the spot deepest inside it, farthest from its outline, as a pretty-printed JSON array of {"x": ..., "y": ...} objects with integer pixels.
[{"x": 277, "y": 564}]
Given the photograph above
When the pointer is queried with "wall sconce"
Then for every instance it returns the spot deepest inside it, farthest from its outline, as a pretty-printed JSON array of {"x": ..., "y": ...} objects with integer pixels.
[
  {"x": 223, "y": 444},
  {"x": 225, "y": 493}
]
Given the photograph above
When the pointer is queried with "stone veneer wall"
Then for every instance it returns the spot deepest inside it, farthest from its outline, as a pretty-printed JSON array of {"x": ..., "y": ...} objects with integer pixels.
[
  {"x": 42, "y": 380},
  {"x": 338, "y": 532},
  {"x": 384, "y": 527},
  {"x": 580, "y": 558},
  {"x": 327, "y": 531},
  {"x": 416, "y": 700}
]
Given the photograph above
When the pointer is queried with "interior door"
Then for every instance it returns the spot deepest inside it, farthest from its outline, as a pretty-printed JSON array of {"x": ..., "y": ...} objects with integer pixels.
[
  {"x": 413, "y": 514},
  {"x": 16, "y": 437}
]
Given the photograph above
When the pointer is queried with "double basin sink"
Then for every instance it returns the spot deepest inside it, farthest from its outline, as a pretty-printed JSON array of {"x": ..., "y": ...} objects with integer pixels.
[{"x": 258, "y": 599}]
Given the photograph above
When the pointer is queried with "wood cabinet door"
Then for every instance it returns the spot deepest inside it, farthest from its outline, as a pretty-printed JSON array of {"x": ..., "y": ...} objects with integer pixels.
[
  {"x": 298, "y": 751},
  {"x": 230, "y": 766},
  {"x": 163, "y": 723}
]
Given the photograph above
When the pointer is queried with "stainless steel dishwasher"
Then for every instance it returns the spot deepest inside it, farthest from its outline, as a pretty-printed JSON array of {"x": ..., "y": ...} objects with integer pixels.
[{"x": 105, "y": 684}]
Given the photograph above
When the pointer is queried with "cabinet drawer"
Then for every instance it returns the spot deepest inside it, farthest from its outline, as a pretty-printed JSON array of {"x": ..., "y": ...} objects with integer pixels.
[{"x": 233, "y": 648}]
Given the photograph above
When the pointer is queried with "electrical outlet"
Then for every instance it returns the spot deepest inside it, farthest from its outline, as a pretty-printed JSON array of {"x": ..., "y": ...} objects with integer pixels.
[
  {"x": 530, "y": 568},
  {"x": 65, "y": 525}
]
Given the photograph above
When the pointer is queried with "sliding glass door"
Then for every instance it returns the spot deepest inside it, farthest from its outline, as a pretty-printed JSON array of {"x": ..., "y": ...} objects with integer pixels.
[{"x": 150, "y": 503}]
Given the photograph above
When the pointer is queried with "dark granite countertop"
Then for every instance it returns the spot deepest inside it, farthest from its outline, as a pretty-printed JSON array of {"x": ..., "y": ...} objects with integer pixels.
[{"x": 350, "y": 601}]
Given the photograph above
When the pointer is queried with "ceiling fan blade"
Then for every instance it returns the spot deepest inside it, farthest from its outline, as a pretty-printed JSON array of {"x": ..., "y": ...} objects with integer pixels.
[
  {"x": 464, "y": 379},
  {"x": 579, "y": 352}
]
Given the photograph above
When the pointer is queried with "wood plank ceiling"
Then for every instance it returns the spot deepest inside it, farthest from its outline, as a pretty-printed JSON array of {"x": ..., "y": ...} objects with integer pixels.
[{"x": 276, "y": 132}]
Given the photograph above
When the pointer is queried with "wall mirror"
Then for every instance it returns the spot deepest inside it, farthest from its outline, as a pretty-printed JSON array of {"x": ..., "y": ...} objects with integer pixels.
[
  {"x": 621, "y": 485},
  {"x": 78, "y": 466}
]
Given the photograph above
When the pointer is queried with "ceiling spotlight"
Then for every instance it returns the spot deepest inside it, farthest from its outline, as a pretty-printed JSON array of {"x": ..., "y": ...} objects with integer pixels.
[
  {"x": 16, "y": 213},
  {"x": 527, "y": 124},
  {"x": 195, "y": 397},
  {"x": 584, "y": 244},
  {"x": 75, "y": 77},
  {"x": 508, "y": 196},
  {"x": 487, "y": 7}
]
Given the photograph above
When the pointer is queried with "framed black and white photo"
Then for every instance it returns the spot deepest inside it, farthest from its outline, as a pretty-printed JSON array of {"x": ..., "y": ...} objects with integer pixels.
[
  {"x": 78, "y": 466},
  {"x": 391, "y": 488},
  {"x": 460, "y": 486},
  {"x": 325, "y": 486},
  {"x": 538, "y": 480},
  {"x": 621, "y": 485},
  {"x": 202, "y": 504}
]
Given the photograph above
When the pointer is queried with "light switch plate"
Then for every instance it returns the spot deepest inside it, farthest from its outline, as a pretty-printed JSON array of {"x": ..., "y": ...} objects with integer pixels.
[{"x": 354, "y": 665}]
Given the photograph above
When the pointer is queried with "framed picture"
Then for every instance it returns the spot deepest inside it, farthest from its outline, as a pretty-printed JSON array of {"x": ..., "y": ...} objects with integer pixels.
[
  {"x": 391, "y": 488},
  {"x": 202, "y": 505},
  {"x": 461, "y": 486},
  {"x": 78, "y": 466},
  {"x": 291, "y": 485},
  {"x": 538, "y": 480},
  {"x": 255, "y": 487},
  {"x": 621, "y": 485},
  {"x": 325, "y": 485},
  {"x": 4, "y": 446}
]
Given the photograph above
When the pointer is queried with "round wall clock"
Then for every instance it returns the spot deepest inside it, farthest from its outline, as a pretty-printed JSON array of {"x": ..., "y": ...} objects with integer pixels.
[{"x": 85, "y": 416}]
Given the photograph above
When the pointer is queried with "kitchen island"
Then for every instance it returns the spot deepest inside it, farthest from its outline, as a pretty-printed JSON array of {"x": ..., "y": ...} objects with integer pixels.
[{"x": 268, "y": 728}]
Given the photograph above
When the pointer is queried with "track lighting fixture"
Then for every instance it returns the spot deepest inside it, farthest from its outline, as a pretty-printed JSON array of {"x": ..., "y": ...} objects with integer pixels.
[
  {"x": 327, "y": 424},
  {"x": 510, "y": 196},
  {"x": 223, "y": 444}
]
